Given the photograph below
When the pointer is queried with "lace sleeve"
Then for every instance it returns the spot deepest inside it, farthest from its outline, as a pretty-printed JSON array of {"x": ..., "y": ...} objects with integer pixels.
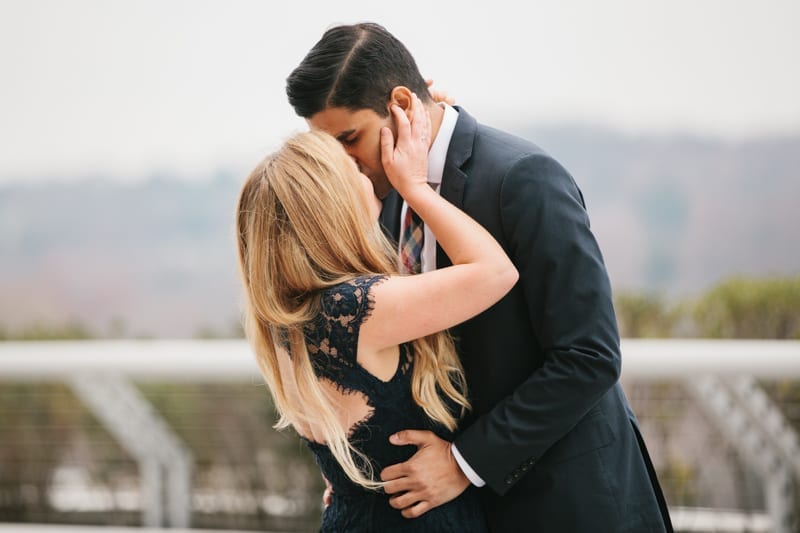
[{"x": 343, "y": 308}]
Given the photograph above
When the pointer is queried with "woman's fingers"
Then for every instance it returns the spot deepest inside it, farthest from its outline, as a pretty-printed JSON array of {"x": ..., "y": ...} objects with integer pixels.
[
  {"x": 420, "y": 122},
  {"x": 401, "y": 121},
  {"x": 387, "y": 147}
]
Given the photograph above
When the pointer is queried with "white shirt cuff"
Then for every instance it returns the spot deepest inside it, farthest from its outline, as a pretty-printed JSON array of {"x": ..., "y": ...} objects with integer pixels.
[{"x": 474, "y": 478}]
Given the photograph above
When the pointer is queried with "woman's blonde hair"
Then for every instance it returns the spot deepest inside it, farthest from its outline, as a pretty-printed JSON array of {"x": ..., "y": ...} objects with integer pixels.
[{"x": 303, "y": 224}]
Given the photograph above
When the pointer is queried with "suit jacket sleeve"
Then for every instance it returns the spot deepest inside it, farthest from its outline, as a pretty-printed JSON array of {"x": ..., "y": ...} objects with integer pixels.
[{"x": 566, "y": 288}]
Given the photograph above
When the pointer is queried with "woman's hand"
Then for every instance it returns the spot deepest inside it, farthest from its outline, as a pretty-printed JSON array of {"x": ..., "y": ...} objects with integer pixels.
[{"x": 406, "y": 162}]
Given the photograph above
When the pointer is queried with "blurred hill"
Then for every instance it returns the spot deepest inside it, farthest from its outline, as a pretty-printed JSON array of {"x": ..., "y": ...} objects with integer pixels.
[
  {"x": 676, "y": 214},
  {"x": 157, "y": 258}
]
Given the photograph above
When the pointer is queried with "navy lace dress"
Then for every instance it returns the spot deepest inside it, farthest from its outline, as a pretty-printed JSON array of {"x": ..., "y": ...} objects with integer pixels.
[{"x": 331, "y": 341}]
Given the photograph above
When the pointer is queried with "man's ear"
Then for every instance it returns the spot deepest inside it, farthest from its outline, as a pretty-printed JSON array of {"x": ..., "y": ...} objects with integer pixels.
[{"x": 401, "y": 96}]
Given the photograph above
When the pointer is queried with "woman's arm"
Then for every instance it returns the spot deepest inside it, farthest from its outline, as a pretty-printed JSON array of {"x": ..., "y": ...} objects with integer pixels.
[{"x": 409, "y": 307}]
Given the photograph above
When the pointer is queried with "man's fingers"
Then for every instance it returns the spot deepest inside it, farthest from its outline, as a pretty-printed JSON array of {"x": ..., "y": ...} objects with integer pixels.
[
  {"x": 396, "y": 486},
  {"x": 390, "y": 473},
  {"x": 416, "y": 510},
  {"x": 405, "y": 500},
  {"x": 327, "y": 496},
  {"x": 417, "y": 437}
]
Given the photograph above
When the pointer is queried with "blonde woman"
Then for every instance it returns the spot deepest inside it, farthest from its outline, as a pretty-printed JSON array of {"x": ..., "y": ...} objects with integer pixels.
[{"x": 352, "y": 350}]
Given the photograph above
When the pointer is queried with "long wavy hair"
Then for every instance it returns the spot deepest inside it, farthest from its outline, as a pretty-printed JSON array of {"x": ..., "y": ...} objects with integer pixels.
[{"x": 303, "y": 224}]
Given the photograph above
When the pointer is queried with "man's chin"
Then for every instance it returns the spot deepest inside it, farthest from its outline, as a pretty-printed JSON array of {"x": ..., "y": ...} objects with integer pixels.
[{"x": 381, "y": 187}]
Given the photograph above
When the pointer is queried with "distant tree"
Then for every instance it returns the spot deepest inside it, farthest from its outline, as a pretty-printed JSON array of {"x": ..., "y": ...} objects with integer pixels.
[
  {"x": 206, "y": 332},
  {"x": 741, "y": 308},
  {"x": 644, "y": 315},
  {"x": 73, "y": 330},
  {"x": 237, "y": 328},
  {"x": 234, "y": 330},
  {"x": 117, "y": 328}
]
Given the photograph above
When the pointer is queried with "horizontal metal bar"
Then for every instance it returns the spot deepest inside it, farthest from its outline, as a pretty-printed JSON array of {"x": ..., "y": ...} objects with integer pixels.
[
  {"x": 233, "y": 360},
  {"x": 152, "y": 360},
  {"x": 680, "y": 358}
]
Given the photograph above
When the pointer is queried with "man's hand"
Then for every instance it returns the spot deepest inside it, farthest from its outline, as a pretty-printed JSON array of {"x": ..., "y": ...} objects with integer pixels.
[{"x": 430, "y": 478}]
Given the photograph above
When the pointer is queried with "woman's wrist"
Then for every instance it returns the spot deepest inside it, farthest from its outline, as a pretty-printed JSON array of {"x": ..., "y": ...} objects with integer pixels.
[{"x": 415, "y": 193}]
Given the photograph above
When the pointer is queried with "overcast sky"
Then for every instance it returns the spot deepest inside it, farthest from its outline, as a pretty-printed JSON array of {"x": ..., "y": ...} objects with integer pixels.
[{"x": 131, "y": 88}]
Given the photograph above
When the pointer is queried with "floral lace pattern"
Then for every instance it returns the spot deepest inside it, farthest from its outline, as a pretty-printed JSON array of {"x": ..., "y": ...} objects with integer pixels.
[
  {"x": 332, "y": 342},
  {"x": 332, "y": 339}
]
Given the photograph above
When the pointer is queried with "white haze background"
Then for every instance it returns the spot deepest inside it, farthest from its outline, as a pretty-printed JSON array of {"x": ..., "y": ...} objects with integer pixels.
[{"x": 124, "y": 88}]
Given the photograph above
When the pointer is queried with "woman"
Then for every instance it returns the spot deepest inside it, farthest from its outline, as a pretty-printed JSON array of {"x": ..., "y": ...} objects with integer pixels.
[{"x": 351, "y": 350}]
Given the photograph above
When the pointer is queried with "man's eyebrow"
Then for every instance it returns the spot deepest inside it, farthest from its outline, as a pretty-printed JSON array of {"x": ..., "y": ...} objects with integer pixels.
[{"x": 344, "y": 135}]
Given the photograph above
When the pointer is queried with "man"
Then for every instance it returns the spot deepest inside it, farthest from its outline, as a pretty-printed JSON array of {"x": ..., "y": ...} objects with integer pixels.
[{"x": 551, "y": 435}]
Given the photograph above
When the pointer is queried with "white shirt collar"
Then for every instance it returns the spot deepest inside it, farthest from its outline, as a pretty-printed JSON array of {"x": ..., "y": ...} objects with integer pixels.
[{"x": 438, "y": 152}]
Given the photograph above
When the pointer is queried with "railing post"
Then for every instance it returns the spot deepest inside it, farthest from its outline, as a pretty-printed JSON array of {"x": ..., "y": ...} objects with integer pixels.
[
  {"x": 779, "y": 435},
  {"x": 139, "y": 429},
  {"x": 735, "y": 419},
  {"x": 151, "y": 489}
]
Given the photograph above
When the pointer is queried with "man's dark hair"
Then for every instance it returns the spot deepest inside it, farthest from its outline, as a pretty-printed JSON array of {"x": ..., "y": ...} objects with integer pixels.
[{"x": 355, "y": 67}]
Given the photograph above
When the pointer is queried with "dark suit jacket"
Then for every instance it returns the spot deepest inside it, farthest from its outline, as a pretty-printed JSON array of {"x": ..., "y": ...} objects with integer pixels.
[{"x": 551, "y": 432}]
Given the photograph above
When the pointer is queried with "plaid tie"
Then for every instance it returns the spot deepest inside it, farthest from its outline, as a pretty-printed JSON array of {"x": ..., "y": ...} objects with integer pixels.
[{"x": 411, "y": 243}]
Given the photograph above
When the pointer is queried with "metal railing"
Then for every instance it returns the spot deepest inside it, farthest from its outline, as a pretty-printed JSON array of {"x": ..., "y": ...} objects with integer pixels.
[{"x": 719, "y": 374}]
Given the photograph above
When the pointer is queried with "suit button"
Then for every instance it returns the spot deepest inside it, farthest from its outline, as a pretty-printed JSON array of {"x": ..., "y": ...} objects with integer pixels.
[{"x": 509, "y": 480}]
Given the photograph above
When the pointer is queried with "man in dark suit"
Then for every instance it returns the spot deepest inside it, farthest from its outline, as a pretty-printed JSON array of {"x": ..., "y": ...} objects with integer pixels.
[{"x": 551, "y": 435}]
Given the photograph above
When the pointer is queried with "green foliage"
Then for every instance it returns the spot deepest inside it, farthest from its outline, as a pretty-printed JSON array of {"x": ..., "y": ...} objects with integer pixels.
[
  {"x": 737, "y": 308},
  {"x": 47, "y": 332},
  {"x": 742, "y": 308},
  {"x": 679, "y": 480},
  {"x": 644, "y": 315},
  {"x": 235, "y": 330}
]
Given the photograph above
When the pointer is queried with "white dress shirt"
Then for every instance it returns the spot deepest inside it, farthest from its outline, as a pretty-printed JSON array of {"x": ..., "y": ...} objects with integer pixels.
[{"x": 436, "y": 159}]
